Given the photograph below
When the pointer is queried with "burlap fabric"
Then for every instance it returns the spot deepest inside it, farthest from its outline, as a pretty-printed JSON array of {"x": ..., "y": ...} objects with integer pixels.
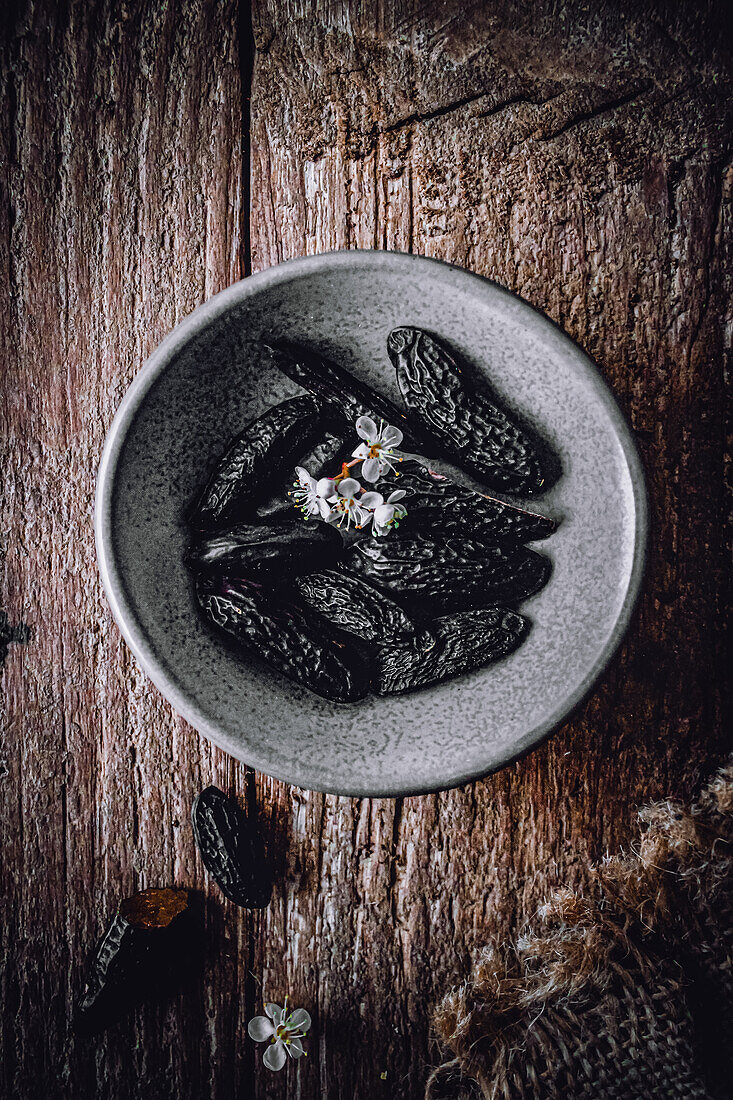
[{"x": 622, "y": 993}]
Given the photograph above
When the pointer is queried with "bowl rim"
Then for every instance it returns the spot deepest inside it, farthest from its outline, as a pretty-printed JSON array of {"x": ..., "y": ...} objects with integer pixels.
[{"x": 123, "y": 606}]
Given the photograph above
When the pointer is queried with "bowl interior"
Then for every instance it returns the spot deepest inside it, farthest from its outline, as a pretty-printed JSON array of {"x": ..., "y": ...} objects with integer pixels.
[{"x": 211, "y": 376}]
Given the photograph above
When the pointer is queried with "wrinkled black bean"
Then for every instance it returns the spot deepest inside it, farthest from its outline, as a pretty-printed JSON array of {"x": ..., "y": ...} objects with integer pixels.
[
  {"x": 231, "y": 848},
  {"x": 324, "y": 459},
  {"x": 355, "y": 606},
  {"x": 333, "y": 383},
  {"x": 285, "y": 636},
  {"x": 469, "y": 427},
  {"x": 451, "y": 647},
  {"x": 279, "y": 549},
  {"x": 432, "y": 576},
  {"x": 439, "y": 506},
  {"x": 149, "y": 947},
  {"x": 244, "y": 474}
]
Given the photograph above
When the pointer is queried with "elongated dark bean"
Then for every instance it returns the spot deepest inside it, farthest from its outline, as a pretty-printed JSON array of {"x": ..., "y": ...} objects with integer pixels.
[
  {"x": 431, "y": 576},
  {"x": 147, "y": 945},
  {"x": 273, "y": 442},
  {"x": 438, "y": 506},
  {"x": 451, "y": 647},
  {"x": 324, "y": 459},
  {"x": 355, "y": 606},
  {"x": 354, "y": 398},
  {"x": 469, "y": 427},
  {"x": 231, "y": 848},
  {"x": 280, "y": 549},
  {"x": 290, "y": 640}
]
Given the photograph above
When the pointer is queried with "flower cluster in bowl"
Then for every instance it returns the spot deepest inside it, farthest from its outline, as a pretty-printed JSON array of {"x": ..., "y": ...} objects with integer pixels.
[{"x": 342, "y": 499}]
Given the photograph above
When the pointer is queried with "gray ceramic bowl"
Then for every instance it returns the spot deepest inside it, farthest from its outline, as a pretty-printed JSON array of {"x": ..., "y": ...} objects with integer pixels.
[{"x": 210, "y": 376}]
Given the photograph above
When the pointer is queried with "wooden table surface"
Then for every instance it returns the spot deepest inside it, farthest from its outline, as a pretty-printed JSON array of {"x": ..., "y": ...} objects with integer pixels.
[{"x": 153, "y": 153}]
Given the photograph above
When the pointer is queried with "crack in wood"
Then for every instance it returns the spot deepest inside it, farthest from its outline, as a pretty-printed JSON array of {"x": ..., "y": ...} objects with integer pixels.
[
  {"x": 598, "y": 111},
  {"x": 428, "y": 116},
  {"x": 513, "y": 102},
  {"x": 246, "y": 42},
  {"x": 719, "y": 170}
]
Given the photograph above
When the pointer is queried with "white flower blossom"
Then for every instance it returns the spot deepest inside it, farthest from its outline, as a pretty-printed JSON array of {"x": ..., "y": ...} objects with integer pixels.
[
  {"x": 310, "y": 495},
  {"x": 284, "y": 1031},
  {"x": 346, "y": 505},
  {"x": 389, "y": 513},
  {"x": 370, "y": 501},
  {"x": 378, "y": 449}
]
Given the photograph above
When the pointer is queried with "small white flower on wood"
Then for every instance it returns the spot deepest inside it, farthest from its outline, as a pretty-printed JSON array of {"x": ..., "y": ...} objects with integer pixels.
[{"x": 284, "y": 1031}]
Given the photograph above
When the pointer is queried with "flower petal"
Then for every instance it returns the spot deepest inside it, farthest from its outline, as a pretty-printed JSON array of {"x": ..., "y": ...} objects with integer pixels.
[
  {"x": 391, "y": 436},
  {"x": 366, "y": 428},
  {"x": 398, "y": 494},
  {"x": 359, "y": 517},
  {"x": 371, "y": 500},
  {"x": 371, "y": 469},
  {"x": 323, "y": 508},
  {"x": 295, "y": 1048},
  {"x": 275, "y": 1057},
  {"x": 299, "y": 1020},
  {"x": 260, "y": 1028},
  {"x": 304, "y": 477},
  {"x": 362, "y": 451},
  {"x": 349, "y": 487},
  {"x": 326, "y": 487},
  {"x": 384, "y": 514}
]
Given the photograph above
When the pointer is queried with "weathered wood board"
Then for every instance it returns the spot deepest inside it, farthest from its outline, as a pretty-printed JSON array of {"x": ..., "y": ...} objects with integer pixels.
[{"x": 577, "y": 153}]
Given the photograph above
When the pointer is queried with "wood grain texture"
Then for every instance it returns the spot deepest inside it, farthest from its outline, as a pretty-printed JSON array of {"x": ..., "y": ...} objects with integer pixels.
[
  {"x": 120, "y": 213},
  {"x": 580, "y": 155},
  {"x": 577, "y": 153}
]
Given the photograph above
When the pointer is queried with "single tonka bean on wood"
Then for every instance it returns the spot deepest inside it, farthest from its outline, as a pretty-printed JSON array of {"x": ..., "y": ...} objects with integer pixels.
[
  {"x": 431, "y": 576},
  {"x": 441, "y": 507},
  {"x": 284, "y": 636},
  {"x": 451, "y": 647},
  {"x": 333, "y": 383},
  {"x": 469, "y": 427},
  {"x": 243, "y": 476},
  {"x": 231, "y": 848},
  {"x": 355, "y": 606},
  {"x": 151, "y": 935},
  {"x": 283, "y": 549}
]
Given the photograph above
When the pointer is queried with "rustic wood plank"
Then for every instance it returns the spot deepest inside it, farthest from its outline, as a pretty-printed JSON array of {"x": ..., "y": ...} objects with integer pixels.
[
  {"x": 120, "y": 213},
  {"x": 578, "y": 154}
]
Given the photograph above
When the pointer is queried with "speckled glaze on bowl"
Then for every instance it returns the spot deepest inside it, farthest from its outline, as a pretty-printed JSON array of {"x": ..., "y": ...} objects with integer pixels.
[{"x": 210, "y": 376}]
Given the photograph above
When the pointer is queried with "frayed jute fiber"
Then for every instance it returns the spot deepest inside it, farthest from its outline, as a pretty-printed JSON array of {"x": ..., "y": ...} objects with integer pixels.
[{"x": 624, "y": 991}]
